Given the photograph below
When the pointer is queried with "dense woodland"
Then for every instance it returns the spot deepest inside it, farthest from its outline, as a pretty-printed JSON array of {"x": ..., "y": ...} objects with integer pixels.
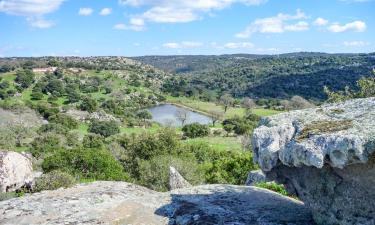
[{"x": 263, "y": 76}]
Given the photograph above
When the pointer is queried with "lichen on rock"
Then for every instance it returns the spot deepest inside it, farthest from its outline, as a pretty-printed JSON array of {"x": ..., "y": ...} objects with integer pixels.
[{"x": 324, "y": 156}]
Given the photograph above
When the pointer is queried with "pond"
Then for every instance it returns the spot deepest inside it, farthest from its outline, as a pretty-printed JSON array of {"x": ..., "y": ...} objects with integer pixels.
[{"x": 166, "y": 115}]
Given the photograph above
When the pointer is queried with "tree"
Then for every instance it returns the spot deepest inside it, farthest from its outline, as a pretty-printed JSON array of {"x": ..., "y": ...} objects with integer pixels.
[
  {"x": 226, "y": 100},
  {"x": 104, "y": 128},
  {"x": 248, "y": 103},
  {"x": 297, "y": 102},
  {"x": 216, "y": 116},
  {"x": 88, "y": 104},
  {"x": 195, "y": 130},
  {"x": 144, "y": 115},
  {"x": 182, "y": 115},
  {"x": 24, "y": 78}
]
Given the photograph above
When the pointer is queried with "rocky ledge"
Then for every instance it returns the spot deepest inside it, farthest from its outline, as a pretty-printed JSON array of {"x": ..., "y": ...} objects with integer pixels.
[
  {"x": 326, "y": 157},
  {"x": 124, "y": 203}
]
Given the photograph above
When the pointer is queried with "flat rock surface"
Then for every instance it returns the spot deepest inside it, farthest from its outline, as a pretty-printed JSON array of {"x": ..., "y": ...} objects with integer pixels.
[
  {"x": 339, "y": 134},
  {"x": 124, "y": 203}
]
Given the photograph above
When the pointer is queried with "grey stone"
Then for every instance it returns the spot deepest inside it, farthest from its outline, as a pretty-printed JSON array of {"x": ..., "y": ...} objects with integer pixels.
[
  {"x": 176, "y": 181},
  {"x": 325, "y": 156},
  {"x": 254, "y": 177},
  {"x": 15, "y": 171},
  {"x": 124, "y": 203}
]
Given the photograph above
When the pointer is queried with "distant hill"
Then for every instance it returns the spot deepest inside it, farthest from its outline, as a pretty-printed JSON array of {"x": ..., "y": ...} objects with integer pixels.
[{"x": 268, "y": 76}]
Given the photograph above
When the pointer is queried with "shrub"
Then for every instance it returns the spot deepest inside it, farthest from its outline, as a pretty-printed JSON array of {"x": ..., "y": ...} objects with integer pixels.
[
  {"x": 279, "y": 188},
  {"x": 24, "y": 78},
  {"x": 154, "y": 173},
  {"x": 195, "y": 130},
  {"x": 54, "y": 180},
  {"x": 53, "y": 128},
  {"x": 47, "y": 143},
  {"x": 104, "y": 128},
  {"x": 93, "y": 141},
  {"x": 86, "y": 164},
  {"x": 88, "y": 104},
  {"x": 232, "y": 169},
  {"x": 65, "y": 120}
]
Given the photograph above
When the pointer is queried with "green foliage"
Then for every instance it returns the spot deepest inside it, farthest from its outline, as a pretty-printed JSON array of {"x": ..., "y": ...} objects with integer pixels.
[
  {"x": 279, "y": 188},
  {"x": 144, "y": 115},
  {"x": 64, "y": 120},
  {"x": 54, "y": 180},
  {"x": 94, "y": 141},
  {"x": 46, "y": 144},
  {"x": 244, "y": 125},
  {"x": 88, "y": 104},
  {"x": 154, "y": 173},
  {"x": 232, "y": 169},
  {"x": 365, "y": 86},
  {"x": 86, "y": 164},
  {"x": 104, "y": 128},
  {"x": 46, "y": 110},
  {"x": 24, "y": 78},
  {"x": 195, "y": 130},
  {"x": 53, "y": 128}
]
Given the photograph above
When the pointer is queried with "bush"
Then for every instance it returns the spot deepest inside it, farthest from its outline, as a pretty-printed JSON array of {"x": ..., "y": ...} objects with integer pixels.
[
  {"x": 195, "y": 130},
  {"x": 93, "y": 141},
  {"x": 48, "y": 143},
  {"x": 65, "y": 120},
  {"x": 154, "y": 173},
  {"x": 53, "y": 128},
  {"x": 232, "y": 169},
  {"x": 104, "y": 128},
  {"x": 54, "y": 180},
  {"x": 279, "y": 188},
  {"x": 86, "y": 164},
  {"x": 88, "y": 104},
  {"x": 24, "y": 78}
]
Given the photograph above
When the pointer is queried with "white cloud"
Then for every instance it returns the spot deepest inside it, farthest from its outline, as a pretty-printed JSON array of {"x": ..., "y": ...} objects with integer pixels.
[
  {"x": 105, "y": 12},
  {"x": 236, "y": 45},
  {"x": 181, "y": 11},
  {"x": 122, "y": 26},
  {"x": 355, "y": 43},
  {"x": 85, "y": 11},
  {"x": 276, "y": 24},
  {"x": 184, "y": 44},
  {"x": 299, "y": 26},
  {"x": 29, "y": 7},
  {"x": 320, "y": 21},
  {"x": 357, "y": 26},
  {"x": 40, "y": 22},
  {"x": 33, "y": 10}
]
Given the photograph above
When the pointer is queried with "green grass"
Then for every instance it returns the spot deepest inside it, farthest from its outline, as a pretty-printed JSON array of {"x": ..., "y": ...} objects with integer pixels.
[
  {"x": 137, "y": 130},
  {"x": 206, "y": 107},
  {"x": 221, "y": 143}
]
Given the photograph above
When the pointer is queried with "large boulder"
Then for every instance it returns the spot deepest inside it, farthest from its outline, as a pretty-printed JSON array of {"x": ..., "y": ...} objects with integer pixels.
[
  {"x": 176, "y": 181},
  {"x": 124, "y": 203},
  {"x": 325, "y": 156},
  {"x": 254, "y": 177},
  {"x": 15, "y": 171}
]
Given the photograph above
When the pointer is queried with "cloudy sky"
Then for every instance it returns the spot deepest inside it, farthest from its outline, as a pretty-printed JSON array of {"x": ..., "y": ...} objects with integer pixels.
[{"x": 164, "y": 27}]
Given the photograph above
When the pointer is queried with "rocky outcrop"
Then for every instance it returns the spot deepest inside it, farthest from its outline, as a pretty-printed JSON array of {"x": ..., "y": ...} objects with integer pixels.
[
  {"x": 124, "y": 203},
  {"x": 326, "y": 157},
  {"x": 15, "y": 171},
  {"x": 254, "y": 177},
  {"x": 176, "y": 181}
]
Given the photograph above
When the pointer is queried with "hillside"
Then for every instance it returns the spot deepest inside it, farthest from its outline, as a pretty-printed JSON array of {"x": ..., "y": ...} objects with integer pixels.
[{"x": 266, "y": 76}]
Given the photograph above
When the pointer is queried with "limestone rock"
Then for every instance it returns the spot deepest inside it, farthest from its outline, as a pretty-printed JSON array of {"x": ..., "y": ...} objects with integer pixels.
[
  {"x": 123, "y": 203},
  {"x": 176, "y": 181},
  {"x": 254, "y": 177},
  {"x": 325, "y": 156},
  {"x": 15, "y": 171}
]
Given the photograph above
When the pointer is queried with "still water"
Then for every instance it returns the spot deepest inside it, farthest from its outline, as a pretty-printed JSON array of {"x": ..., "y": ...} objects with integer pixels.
[{"x": 166, "y": 115}]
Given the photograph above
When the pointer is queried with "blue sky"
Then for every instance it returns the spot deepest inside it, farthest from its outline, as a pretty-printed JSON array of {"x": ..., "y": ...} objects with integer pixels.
[{"x": 165, "y": 27}]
